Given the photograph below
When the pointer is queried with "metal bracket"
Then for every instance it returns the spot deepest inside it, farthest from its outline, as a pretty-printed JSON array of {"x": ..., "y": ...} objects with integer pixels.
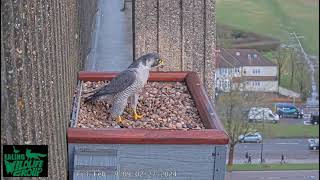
[
  {"x": 219, "y": 162},
  {"x": 76, "y": 106},
  {"x": 124, "y": 5}
]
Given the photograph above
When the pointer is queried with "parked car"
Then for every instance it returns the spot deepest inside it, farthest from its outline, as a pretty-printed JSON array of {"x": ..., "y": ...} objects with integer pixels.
[
  {"x": 251, "y": 137},
  {"x": 259, "y": 114},
  {"x": 313, "y": 144},
  {"x": 314, "y": 119},
  {"x": 288, "y": 110}
]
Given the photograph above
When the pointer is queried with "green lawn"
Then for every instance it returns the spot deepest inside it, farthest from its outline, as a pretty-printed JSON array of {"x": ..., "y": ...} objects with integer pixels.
[
  {"x": 288, "y": 130},
  {"x": 273, "y": 17},
  {"x": 273, "y": 167}
]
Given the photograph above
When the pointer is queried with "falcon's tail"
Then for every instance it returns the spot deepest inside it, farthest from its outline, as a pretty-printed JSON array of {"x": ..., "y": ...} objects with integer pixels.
[
  {"x": 90, "y": 98},
  {"x": 96, "y": 96}
]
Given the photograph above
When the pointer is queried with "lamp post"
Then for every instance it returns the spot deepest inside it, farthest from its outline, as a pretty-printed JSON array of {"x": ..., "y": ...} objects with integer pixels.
[{"x": 261, "y": 152}]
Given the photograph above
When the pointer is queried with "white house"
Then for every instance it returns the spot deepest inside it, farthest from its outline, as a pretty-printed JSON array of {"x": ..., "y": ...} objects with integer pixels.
[{"x": 245, "y": 69}]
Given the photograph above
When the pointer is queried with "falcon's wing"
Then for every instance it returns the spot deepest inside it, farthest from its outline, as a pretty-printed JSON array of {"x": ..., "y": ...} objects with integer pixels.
[{"x": 118, "y": 83}]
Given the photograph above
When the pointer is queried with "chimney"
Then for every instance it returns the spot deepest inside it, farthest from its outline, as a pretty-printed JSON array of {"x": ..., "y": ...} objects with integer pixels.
[
  {"x": 255, "y": 56},
  {"x": 238, "y": 53}
]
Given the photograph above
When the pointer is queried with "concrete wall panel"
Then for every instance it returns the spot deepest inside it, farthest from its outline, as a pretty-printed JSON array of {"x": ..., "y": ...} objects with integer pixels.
[
  {"x": 43, "y": 46},
  {"x": 185, "y": 32}
]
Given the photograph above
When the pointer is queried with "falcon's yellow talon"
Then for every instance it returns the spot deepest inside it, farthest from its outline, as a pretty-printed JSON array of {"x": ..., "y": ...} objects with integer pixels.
[
  {"x": 119, "y": 120},
  {"x": 136, "y": 116}
]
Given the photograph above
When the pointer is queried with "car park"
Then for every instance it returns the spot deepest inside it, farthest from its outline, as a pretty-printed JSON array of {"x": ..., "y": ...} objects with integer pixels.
[
  {"x": 288, "y": 110},
  {"x": 262, "y": 114},
  {"x": 251, "y": 137},
  {"x": 313, "y": 144}
]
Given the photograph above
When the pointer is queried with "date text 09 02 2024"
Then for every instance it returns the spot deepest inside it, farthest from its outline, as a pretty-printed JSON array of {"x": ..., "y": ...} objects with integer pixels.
[{"x": 124, "y": 173}]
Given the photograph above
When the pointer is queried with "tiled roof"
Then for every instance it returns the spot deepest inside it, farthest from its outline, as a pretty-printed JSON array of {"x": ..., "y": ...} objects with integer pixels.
[{"x": 241, "y": 57}]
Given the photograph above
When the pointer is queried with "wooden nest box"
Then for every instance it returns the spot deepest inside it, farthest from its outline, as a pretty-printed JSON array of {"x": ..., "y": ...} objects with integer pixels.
[{"x": 124, "y": 153}]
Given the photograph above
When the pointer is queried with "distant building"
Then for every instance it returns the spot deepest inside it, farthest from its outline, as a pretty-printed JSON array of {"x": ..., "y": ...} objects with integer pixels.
[{"x": 245, "y": 69}]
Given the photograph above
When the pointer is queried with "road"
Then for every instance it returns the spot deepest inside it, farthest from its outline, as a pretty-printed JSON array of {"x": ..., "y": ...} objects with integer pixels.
[
  {"x": 294, "y": 150},
  {"x": 273, "y": 175}
]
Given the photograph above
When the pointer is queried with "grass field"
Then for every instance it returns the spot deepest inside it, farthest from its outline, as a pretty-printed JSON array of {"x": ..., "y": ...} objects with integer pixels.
[
  {"x": 288, "y": 130},
  {"x": 274, "y": 18},
  {"x": 271, "y": 130},
  {"x": 273, "y": 167}
]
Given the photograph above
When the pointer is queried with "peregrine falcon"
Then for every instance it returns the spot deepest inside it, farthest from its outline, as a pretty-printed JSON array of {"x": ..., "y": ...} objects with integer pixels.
[{"x": 127, "y": 84}]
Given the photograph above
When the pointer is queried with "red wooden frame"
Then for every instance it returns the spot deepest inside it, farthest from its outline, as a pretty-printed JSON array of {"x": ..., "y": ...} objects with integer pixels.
[{"x": 213, "y": 134}]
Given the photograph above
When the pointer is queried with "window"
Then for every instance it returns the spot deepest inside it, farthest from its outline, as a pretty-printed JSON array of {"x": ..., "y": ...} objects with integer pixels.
[
  {"x": 223, "y": 71},
  {"x": 255, "y": 83},
  {"x": 256, "y": 71},
  {"x": 224, "y": 84}
]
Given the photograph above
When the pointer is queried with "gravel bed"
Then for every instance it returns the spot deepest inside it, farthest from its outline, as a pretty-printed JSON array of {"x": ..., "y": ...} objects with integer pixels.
[{"x": 164, "y": 105}]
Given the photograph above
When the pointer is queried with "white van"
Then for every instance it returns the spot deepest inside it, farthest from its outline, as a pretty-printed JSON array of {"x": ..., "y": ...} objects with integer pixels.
[{"x": 259, "y": 114}]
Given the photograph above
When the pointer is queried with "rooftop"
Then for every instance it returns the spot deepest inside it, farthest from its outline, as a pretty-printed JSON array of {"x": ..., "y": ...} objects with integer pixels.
[{"x": 241, "y": 57}]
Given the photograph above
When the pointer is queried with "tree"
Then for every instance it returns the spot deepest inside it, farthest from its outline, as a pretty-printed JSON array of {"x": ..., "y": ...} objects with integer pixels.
[
  {"x": 281, "y": 56},
  {"x": 302, "y": 79},
  {"x": 293, "y": 59},
  {"x": 233, "y": 108}
]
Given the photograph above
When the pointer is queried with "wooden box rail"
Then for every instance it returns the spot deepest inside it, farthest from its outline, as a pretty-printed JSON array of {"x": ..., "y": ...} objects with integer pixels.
[{"x": 213, "y": 134}]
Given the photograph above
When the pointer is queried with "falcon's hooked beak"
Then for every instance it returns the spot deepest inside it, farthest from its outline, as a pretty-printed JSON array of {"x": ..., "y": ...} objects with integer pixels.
[{"x": 161, "y": 62}]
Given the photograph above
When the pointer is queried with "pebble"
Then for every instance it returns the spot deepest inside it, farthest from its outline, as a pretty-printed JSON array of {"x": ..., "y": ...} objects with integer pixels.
[
  {"x": 189, "y": 126},
  {"x": 179, "y": 126},
  {"x": 164, "y": 105}
]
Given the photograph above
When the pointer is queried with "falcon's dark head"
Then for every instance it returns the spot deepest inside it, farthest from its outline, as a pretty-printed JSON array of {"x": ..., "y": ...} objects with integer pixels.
[
  {"x": 149, "y": 60},
  {"x": 152, "y": 60}
]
